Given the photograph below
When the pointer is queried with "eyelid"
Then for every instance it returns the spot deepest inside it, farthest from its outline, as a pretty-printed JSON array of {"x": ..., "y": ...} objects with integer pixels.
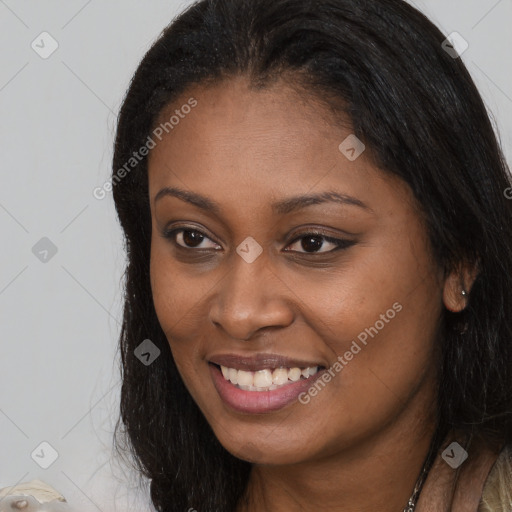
[
  {"x": 171, "y": 228},
  {"x": 314, "y": 231},
  {"x": 169, "y": 233},
  {"x": 341, "y": 243}
]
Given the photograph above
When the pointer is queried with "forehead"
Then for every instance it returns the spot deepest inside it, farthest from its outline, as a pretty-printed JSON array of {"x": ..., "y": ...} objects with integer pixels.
[{"x": 243, "y": 145}]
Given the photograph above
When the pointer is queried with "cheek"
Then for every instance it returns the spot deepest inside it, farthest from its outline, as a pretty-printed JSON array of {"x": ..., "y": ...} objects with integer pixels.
[
  {"x": 380, "y": 314},
  {"x": 165, "y": 289},
  {"x": 394, "y": 329},
  {"x": 177, "y": 300},
  {"x": 384, "y": 365}
]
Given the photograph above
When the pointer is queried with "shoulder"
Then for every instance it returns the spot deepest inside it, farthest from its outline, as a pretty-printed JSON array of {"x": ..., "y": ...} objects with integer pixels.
[{"x": 497, "y": 492}]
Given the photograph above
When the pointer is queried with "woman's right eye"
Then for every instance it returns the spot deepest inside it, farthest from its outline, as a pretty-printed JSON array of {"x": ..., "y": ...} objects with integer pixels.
[{"x": 186, "y": 238}]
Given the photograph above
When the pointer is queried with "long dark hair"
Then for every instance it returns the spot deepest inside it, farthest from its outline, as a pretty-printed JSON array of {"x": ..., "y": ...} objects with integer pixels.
[{"x": 381, "y": 65}]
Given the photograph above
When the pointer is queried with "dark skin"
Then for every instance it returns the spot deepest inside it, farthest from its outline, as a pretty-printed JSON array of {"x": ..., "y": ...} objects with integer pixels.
[{"x": 245, "y": 150}]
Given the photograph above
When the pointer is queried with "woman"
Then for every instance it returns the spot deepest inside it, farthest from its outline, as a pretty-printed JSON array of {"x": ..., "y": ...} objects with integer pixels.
[{"x": 319, "y": 279}]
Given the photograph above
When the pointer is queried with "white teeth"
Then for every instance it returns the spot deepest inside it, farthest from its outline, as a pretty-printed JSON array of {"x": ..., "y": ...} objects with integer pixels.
[
  {"x": 294, "y": 374},
  {"x": 262, "y": 379},
  {"x": 280, "y": 376},
  {"x": 233, "y": 375},
  {"x": 266, "y": 380},
  {"x": 244, "y": 378}
]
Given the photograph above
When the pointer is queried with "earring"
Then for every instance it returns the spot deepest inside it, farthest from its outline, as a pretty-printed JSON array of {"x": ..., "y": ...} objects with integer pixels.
[{"x": 463, "y": 328}]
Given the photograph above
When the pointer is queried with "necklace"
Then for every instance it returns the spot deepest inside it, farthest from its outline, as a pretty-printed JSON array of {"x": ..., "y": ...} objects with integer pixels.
[
  {"x": 411, "y": 504},
  {"x": 429, "y": 460}
]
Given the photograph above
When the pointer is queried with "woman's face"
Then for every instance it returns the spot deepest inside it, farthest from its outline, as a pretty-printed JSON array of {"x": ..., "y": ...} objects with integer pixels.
[{"x": 242, "y": 283}]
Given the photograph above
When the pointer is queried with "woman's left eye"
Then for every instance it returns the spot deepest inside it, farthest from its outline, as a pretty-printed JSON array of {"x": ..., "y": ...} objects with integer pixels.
[{"x": 312, "y": 242}]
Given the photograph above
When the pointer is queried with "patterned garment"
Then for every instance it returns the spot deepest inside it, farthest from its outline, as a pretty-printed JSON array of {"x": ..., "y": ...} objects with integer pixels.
[
  {"x": 497, "y": 493},
  {"x": 496, "y": 496},
  {"x": 33, "y": 496}
]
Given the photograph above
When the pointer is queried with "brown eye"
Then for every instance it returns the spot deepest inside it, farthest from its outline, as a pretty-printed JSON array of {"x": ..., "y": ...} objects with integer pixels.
[
  {"x": 189, "y": 238},
  {"x": 313, "y": 242}
]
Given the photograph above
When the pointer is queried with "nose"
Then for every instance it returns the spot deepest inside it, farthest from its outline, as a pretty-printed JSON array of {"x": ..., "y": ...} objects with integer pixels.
[{"x": 251, "y": 298}]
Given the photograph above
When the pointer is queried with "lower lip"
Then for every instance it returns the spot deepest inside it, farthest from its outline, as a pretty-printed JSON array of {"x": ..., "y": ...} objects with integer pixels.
[{"x": 257, "y": 402}]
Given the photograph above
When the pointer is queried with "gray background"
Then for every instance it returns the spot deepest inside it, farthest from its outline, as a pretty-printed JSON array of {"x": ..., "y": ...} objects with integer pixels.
[{"x": 60, "y": 318}]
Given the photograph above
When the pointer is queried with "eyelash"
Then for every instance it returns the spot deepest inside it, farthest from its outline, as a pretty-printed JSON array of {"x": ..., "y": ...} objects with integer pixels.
[{"x": 341, "y": 243}]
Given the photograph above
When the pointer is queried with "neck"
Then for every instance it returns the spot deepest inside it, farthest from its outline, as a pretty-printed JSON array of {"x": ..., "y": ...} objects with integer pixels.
[{"x": 377, "y": 473}]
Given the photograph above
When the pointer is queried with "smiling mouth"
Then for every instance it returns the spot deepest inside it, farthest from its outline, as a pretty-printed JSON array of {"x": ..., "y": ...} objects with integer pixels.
[{"x": 267, "y": 379}]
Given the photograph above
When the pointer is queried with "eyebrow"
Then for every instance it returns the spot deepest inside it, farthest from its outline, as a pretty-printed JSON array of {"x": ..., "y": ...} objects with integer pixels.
[{"x": 282, "y": 207}]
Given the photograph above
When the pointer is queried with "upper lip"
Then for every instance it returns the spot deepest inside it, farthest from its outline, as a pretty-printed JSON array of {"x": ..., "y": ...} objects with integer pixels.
[{"x": 260, "y": 362}]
